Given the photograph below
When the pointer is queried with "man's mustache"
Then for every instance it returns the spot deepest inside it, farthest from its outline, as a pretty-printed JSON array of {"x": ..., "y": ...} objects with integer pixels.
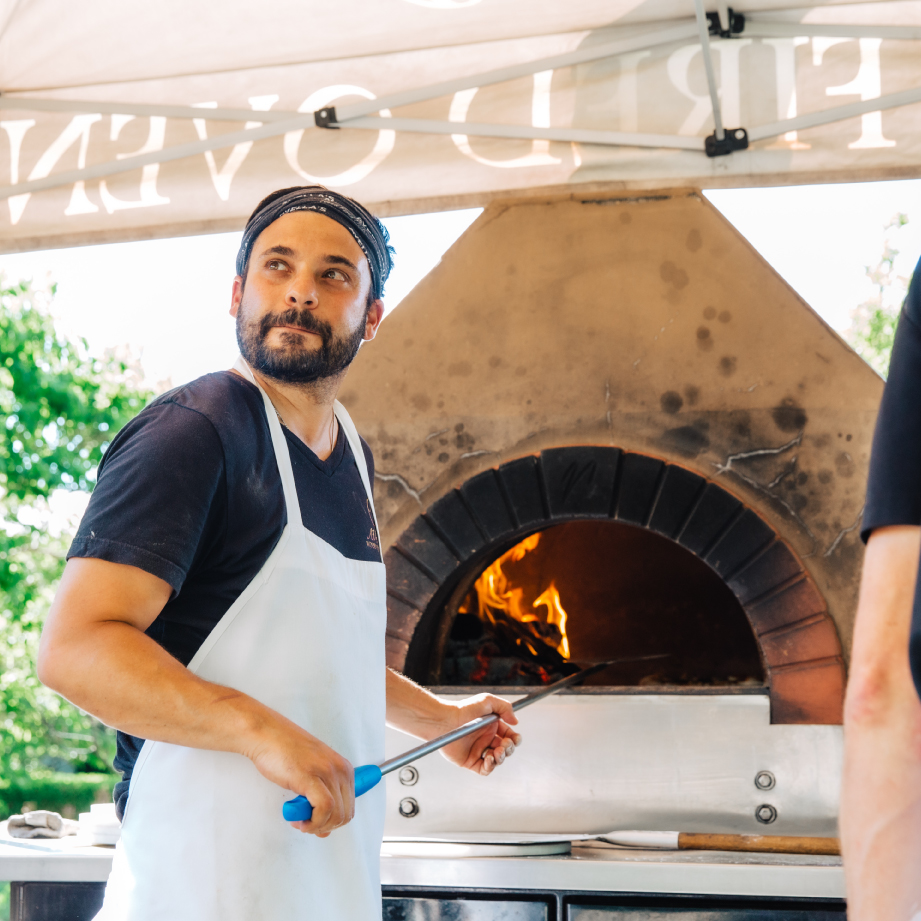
[{"x": 300, "y": 319}]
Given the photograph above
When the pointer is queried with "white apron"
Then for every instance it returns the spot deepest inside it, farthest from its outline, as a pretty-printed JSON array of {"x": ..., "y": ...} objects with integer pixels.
[{"x": 203, "y": 837}]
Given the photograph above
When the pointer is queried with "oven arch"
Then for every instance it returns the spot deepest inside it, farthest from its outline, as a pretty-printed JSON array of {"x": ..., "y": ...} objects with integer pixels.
[{"x": 489, "y": 513}]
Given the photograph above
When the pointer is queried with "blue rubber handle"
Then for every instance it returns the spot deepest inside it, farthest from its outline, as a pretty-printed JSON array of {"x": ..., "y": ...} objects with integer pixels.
[{"x": 367, "y": 777}]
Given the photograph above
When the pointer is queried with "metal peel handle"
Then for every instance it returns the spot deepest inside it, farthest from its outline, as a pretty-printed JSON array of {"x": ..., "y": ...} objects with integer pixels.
[{"x": 369, "y": 776}]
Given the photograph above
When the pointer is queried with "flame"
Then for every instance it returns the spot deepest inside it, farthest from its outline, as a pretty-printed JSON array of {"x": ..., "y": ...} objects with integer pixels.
[
  {"x": 556, "y": 615},
  {"x": 497, "y": 595}
]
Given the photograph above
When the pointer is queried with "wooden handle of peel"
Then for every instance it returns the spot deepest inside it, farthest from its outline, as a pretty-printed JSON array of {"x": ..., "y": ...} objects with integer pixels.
[{"x": 772, "y": 844}]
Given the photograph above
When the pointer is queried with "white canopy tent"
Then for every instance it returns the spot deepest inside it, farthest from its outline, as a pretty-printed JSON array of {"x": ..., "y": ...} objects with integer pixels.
[{"x": 126, "y": 120}]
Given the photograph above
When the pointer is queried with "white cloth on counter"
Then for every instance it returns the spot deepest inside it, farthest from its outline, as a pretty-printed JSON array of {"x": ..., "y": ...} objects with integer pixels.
[
  {"x": 100, "y": 825},
  {"x": 40, "y": 824}
]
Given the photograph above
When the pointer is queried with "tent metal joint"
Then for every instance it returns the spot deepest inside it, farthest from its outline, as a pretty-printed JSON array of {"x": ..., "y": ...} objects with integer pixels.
[
  {"x": 733, "y": 139},
  {"x": 733, "y": 25},
  {"x": 326, "y": 117}
]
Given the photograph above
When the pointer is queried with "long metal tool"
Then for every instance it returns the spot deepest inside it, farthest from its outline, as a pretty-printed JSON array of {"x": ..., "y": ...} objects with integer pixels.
[{"x": 368, "y": 776}]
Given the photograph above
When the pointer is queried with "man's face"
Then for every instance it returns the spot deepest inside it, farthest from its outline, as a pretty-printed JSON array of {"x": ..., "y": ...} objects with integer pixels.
[{"x": 303, "y": 310}]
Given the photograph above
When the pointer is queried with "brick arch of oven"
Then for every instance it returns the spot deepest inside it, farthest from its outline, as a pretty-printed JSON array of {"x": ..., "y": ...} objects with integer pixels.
[{"x": 466, "y": 529}]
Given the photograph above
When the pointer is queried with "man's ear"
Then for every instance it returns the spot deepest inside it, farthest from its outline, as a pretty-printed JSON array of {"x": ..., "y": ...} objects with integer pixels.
[
  {"x": 236, "y": 295},
  {"x": 373, "y": 319}
]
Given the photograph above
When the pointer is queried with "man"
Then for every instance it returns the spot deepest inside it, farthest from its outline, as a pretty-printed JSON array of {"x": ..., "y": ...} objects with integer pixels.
[
  {"x": 881, "y": 797},
  {"x": 224, "y": 600}
]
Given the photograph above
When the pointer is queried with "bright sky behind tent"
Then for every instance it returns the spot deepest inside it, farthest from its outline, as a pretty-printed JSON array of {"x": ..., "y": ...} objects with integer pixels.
[{"x": 168, "y": 299}]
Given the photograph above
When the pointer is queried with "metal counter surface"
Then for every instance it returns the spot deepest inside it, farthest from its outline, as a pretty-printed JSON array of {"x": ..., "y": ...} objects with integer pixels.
[
  {"x": 588, "y": 869},
  {"x": 52, "y": 860}
]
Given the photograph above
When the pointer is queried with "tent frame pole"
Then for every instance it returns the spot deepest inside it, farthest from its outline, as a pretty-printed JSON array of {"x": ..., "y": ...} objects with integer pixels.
[
  {"x": 359, "y": 115},
  {"x": 526, "y": 132},
  {"x": 679, "y": 32},
  {"x": 836, "y": 114},
  {"x": 761, "y": 28},
  {"x": 425, "y": 126},
  {"x": 590, "y": 136},
  {"x": 703, "y": 30},
  {"x": 269, "y": 128}
]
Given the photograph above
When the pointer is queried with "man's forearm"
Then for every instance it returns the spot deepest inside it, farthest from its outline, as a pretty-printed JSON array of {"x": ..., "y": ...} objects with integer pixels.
[
  {"x": 881, "y": 793},
  {"x": 416, "y": 711},
  {"x": 92, "y": 655},
  {"x": 413, "y": 709},
  {"x": 149, "y": 694},
  {"x": 881, "y": 816}
]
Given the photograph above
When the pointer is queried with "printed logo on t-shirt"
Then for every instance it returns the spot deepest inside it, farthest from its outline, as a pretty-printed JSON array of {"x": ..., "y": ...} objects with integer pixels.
[{"x": 371, "y": 539}]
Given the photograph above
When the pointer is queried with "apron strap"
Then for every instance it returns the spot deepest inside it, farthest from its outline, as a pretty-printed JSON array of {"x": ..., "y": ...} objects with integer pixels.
[
  {"x": 351, "y": 433},
  {"x": 282, "y": 455}
]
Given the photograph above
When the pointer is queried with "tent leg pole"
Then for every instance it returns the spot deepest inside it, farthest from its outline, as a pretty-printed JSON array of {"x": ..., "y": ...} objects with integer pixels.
[{"x": 703, "y": 28}]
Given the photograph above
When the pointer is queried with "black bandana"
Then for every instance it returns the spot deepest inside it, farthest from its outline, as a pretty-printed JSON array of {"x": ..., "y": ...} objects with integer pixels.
[{"x": 369, "y": 233}]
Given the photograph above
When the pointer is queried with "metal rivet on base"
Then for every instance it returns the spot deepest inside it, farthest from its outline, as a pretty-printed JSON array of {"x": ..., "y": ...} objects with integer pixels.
[
  {"x": 765, "y": 780},
  {"x": 408, "y": 776},
  {"x": 410, "y": 808},
  {"x": 765, "y": 814}
]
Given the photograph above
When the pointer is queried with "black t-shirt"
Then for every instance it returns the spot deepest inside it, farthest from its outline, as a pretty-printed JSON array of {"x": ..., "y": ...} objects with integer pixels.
[
  {"x": 189, "y": 491},
  {"x": 894, "y": 489}
]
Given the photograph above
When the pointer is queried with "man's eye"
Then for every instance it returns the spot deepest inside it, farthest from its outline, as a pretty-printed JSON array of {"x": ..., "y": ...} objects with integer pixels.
[
  {"x": 335, "y": 273},
  {"x": 277, "y": 264}
]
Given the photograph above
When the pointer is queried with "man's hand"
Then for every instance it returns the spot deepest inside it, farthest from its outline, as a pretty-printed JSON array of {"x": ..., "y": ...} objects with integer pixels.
[
  {"x": 482, "y": 751},
  {"x": 413, "y": 709},
  {"x": 295, "y": 760}
]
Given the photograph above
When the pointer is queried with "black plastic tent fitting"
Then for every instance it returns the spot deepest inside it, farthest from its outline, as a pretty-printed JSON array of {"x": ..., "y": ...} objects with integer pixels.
[
  {"x": 733, "y": 139},
  {"x": 326, "y": 117},
  {"x": 736, "y": 24}
]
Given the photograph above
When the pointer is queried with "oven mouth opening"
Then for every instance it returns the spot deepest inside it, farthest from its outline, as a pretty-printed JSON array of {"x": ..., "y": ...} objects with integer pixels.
[{"x": 587, "y": 591}]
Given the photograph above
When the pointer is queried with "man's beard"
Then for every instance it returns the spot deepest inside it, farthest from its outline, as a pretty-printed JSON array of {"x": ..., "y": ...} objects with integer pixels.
[{"x": 294, "y": 362}]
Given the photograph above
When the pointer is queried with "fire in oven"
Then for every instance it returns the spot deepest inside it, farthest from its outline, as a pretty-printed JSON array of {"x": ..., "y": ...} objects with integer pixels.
[{"x": 589, "y": 591}]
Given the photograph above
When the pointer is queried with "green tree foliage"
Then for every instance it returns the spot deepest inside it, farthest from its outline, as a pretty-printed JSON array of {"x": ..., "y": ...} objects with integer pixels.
[
  {"x": 873, "y": 323},
  {"x": 59, "y": 408}
]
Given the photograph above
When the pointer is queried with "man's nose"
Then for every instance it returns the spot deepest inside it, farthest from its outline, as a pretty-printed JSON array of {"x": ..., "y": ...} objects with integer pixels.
[{"x": 302, "y": 291}]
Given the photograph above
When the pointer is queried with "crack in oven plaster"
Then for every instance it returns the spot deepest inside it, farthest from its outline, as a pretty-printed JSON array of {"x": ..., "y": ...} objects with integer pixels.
[
  {"x": 767, "y": 489},
  {"x": 478, "y": 454},
  {"x": 435, "y": 434},
  {"x": 790, "y": 468},
  {"x": 396, "y": 478},
  {"x": 757, "y": 452},
  {"x": 833, "y": 546}
]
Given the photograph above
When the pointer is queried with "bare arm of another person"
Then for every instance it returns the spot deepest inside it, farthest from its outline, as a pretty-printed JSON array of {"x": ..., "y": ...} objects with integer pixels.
[
  {"x": 94, "y": 652},
  {"x": 414, "y": 710},
  {"x": 881, "y": 796}
]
